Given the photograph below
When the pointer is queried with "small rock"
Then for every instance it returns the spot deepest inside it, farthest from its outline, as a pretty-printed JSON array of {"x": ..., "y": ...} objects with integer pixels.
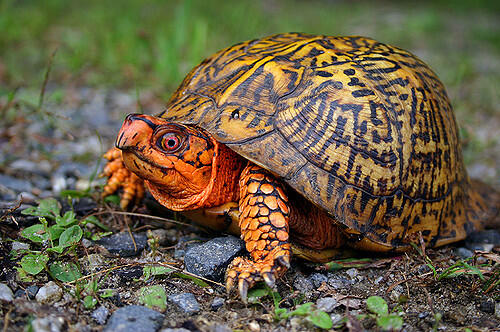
[
  {"x": 336, "y": 319},
  {"x": 49, "y": 293},
  {"x": 186, "y": 302},
  {"x": 31, "y": 291},
  {"x": 86, "y": 243},
  {"x": 20, "y": 246},
  {"x": 134, "y": 318},
  {"x": 6, "y": 293},
  {"x": 254, "y": 326},
  {"x": 497, "y": 309},
  {"x": 340, "y": 282},
  {"x": 15, "y": 184},
  {"x": 463, "y": 252},
  {"x": 318, "y": 279},
  {"x": 220, "y": 328},
  {"x": 180, "y": 329},
  {"x": 327, "y": 304},
  {"x": 211, "y": 258},
  {"x": 92, "y": 262},
  {"x": 303, "y": 284},
  {"x": 42, "y": 167},
  {"x": 353, "y": 273},
  {"x": 487, "y": 306},
  {"x": 121, "y": 244},
  {"x": 19, "y": 293},
  {"x": 422, "y": 315},
  {"x": 100, "y": 315},
  {"x": 217, "y": 303},
  {"x": 483, "y": 240},
  {"x": 130, "y": 272},
  {"x": 47, "y": 324}
]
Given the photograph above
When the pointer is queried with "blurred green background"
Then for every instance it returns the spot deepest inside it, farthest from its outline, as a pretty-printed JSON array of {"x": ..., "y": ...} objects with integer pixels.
[{"x": 151, "y": 45}]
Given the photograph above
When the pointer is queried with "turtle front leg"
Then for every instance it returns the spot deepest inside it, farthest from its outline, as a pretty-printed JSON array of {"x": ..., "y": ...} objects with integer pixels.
[
  {"x": 120, "y": 177},
  {"x": 264, "y": 228}
]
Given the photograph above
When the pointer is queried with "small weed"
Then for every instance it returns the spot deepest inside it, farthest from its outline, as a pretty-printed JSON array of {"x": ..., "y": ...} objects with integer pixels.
[
  {"x": 307, "y": 310},
  {"x": 385, "y": 320},
  {"x": 153, "y": 297}
]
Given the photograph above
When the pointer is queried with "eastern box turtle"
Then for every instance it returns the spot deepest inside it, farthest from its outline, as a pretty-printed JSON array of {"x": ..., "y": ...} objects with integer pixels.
[{"x": 313, "y": 140}]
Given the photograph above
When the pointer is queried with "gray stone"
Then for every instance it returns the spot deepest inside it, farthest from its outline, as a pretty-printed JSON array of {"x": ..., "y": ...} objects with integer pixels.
[
  {"x": 327, "y": 304},
  {"x": 6, "y": 293},
  {"x": 217, "y": 303},
  {"x": 134, "y": 318},
  {"x": 49, "y": 293},
  {"x": 186, "y": 302},
  {"x": 220, "y": 328},
  {"x": 20, "y": 246},
  {"x": 483, "y": 240},
  {"x": 48, "y": 324},
  {"x": 487, "y": 306},
  {"x": 121, "y": 244},
  {"x": 463, "y": 253},
  {"x": 15, "y": 184},
  {"x": 31, "y": 291},
  {"x": 353, "y": 273},
  {"x": 318, "y": 279},
  {"x": 340, "y": 282},
  {"x": 180, "y": 329},
  {"x": 303, "y": 284},
  {"x": 497, "y": 310},
  {"x": 100, "y": 315},
  {"x": 211, "y": 258}
]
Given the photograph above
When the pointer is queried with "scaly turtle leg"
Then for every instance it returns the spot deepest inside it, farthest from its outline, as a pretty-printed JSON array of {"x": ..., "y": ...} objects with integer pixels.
[
  {"x": 264, "y": 228},
  {"x": 120, "y": 177}
]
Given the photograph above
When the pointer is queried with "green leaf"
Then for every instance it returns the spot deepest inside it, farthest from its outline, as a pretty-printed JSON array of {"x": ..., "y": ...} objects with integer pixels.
[
  {"x": 390, "y": 322},
  {"x": 68, "y": 219},
  {"x": 303, "y": 309},
  {"x": 105, "y": 293},
  {"x": 57, "y": 249},
  {"x": 46, "y": 208},
  {"x": 70, "y": 236},
  {"x": 34, "y": 263},
  {"x": 89, "y": 302},
  {"x": 281, "y": 313},
  {"x": 70, "y": 193},
  {"x": 95, "y": 221},
  {"x": 321, "y": 319},
  {"x": 255, "y": 294},
  {"x": 35, "y": 233},
  {"x": 154, "y": 270},
  {"x": 65, "y": 271},
  {"x": 55, "y": 232},
  {"x": 115, "y": 199},
  {"x": 197, "y": 281},
  {"x": 377, "y": 305},
  {"x": 153, "y": 297}
]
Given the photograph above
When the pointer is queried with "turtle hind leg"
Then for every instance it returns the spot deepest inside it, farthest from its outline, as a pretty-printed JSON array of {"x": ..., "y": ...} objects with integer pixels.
[{"x": 264, "y": 215}]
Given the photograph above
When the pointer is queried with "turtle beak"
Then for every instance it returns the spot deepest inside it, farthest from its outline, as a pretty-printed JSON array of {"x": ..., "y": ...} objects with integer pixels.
[{"x": 135, "y": 129}]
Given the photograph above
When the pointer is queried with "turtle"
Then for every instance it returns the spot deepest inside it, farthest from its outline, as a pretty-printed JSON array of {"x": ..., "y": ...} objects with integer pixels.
[{"x": 317, "y": 141}]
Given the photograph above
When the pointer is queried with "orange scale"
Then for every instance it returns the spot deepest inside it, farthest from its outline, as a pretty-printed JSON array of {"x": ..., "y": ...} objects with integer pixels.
[
  {"x": 281, "y": 235},
  {"x": 253, "y": 187},
  {"x": 251, "y": 245},
  {"x": 261, "y": 244},
  {"x": 283, "y": 206},
  {"x": 255, "y": 235},
  {"x": 282, "y": 194},
  {"x": 266, "y": 188},
  {"x": 271, "y": 202},
  {"x": 254, "y": 224},
  {"x": 264, "y": 211},
  {"x": 277, "y": 219},
  {"x": 253, "y": 211}
]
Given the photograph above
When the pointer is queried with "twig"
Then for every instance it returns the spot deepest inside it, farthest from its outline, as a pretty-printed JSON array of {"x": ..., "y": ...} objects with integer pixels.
[{"x": 46, "y": 79}]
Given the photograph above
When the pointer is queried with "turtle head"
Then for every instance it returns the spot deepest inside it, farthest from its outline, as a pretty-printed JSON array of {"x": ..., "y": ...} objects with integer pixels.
[{"x": 175, "y": 160}]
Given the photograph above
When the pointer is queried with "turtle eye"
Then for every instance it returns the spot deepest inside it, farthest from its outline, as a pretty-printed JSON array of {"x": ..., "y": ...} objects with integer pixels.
[{"x": 169, "y": 142}]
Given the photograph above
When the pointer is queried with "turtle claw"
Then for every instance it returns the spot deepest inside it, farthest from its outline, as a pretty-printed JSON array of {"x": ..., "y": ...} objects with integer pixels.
[
  {"x": 269, "y": 279},
  {"x": 283, "y": 261},
  {"x": 243, "y": 286}
]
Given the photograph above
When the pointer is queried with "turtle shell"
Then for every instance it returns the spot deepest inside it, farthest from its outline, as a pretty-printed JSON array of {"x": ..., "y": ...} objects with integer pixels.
[{"x": 362, "y": 129}]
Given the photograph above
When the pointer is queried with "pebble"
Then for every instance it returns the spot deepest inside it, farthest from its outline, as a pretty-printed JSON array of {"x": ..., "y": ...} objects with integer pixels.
[
  {"x": 497, "y": 309},
  {"x": 327, "y": 304},
  {"x": 186, "y": 302},
  {"x": 16, "y": 245},
  {"x": 220, "y": 328},
  {"x": 463, "y": 252},
  {"x": 6, "y": 293},
  {"x": 15, "y": 184},
  {"x": 121, "y": 244},
  {"x": 134, "y": 318},
  {"x": 130, "y": 272},
  {"x": 318, "y": 279},
  {"x": 340, "y": 282},
  {"x": 49, "y": 293},
  {"x": 42, "y": 167},
  {"x": 487, "y": 306},
  {"x": 217, "y": 303},
  {"x": 423, "y": 314},
  {"x": 484, "y": 240},
  {"x": 254, "y": 326},
  {"x": 31, "y": 291},
  {"x": 211, "y": 258},
  {"x": 180, "y": 329},
  {"x": 47, "y": 324},
  {"x": 100, "y": 315},
  {"x": 353, "y": 273},
  {"x": 303, "y": 284}
]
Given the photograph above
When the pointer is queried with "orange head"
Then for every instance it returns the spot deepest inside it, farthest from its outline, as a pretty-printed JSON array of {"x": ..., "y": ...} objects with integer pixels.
[{"x": 177, "y": 162}]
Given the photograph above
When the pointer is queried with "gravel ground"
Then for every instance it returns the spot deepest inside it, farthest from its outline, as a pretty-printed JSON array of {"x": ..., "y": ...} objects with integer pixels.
[{"x": 46, "y": 152}]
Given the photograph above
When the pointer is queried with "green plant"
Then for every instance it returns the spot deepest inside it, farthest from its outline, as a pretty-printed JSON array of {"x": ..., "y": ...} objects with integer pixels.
[
  {"x": 54, "y": 234},
  {"x": 307, "y": 310},
  {"x": 385, "y": 320}
]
